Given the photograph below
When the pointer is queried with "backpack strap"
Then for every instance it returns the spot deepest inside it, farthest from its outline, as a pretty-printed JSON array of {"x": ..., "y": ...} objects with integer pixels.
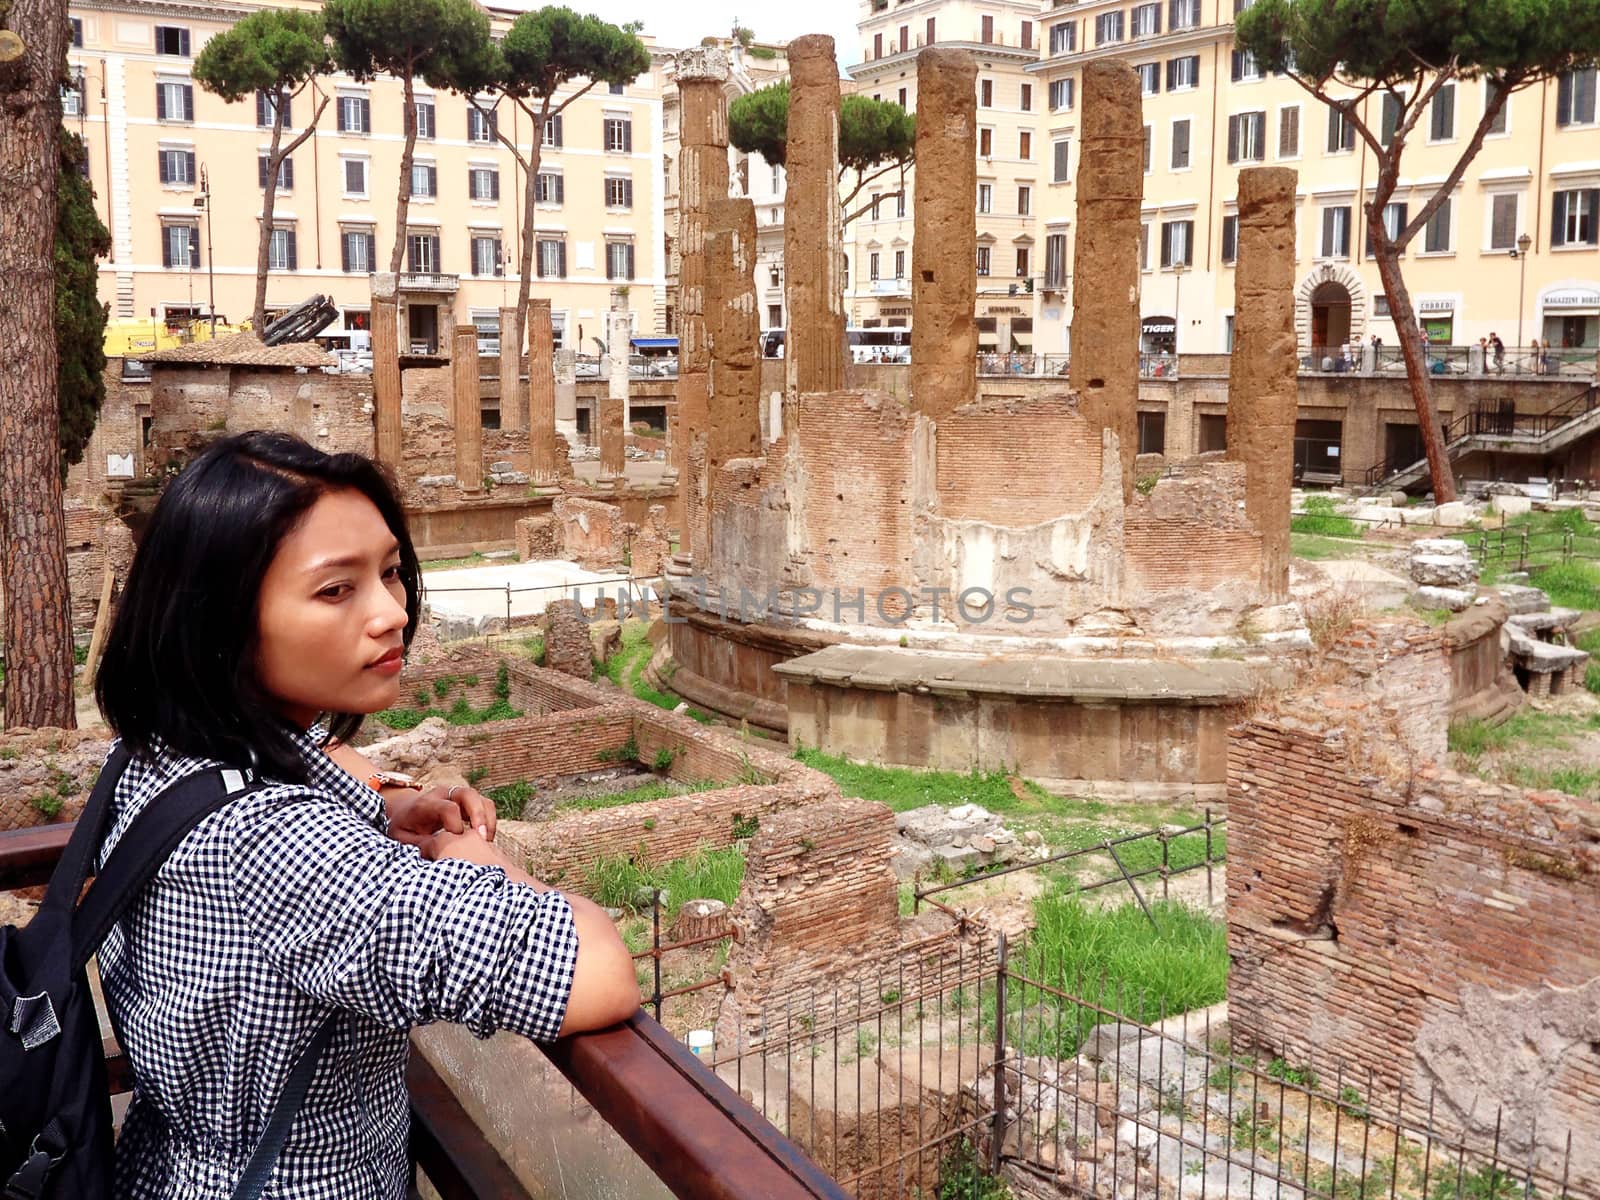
[
  {"x": 144, "y": 846},
  {"x": 77, "y": 860},
  {"x": 258, "y": 1171}
]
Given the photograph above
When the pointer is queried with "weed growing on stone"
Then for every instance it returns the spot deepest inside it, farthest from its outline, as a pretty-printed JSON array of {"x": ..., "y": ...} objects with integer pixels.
[
  {"x": 511, "y": 799},
  {"x": 902, "y": 788},
  {"x": 962, "y": 1178},
  {"x": 1251, "y": 1134},
  {"x": 1528, "y": 729},
  {"x": 1301, "y": 1076},
  {"x": 1321, "y": 518},
  {"x": 654, "y": 789},
  {"x": 619, "y": 882}
]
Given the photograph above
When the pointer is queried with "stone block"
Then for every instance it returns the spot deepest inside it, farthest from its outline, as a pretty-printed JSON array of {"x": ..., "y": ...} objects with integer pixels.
[
  {"x": 1453, "y": 515},
  {"x": 1380, "y": 515},
  {"x": 1519, "y": 599},
  {"x": 1450, "y": 547},
  {"x": 1512, "y": 506},
  {"x": 567, "y": 647},
  {"x": 1439, "y": 570},
  {"x": 1455, "y": 599},
  {"x": 538, "y": 538}
]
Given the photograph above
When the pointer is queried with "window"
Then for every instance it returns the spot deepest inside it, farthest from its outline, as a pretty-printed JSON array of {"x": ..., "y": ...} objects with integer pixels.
[
  {"x": 619, "y": 136},
  {"x": 550, "y": 188},
  {"x": 1055, "y": 260},
  {"x": 899, "y": 264},
  {"x": 1394, "y": 220},
  {"x": 1108, "y": 28},
  {"x": 1245, "y": 66},
  {"x": 985, "y": 197},
  {"x": 1022, "y": 262},
  {"x": 486, "y": 254},
  {"x": 480, "y": 125},
  {"x": 1183, "y": 14},
  {"x": 1442, "y": 114},
  {"x": 1149, "y": 78},
  {"x": 425, "y": 120},
  {"x": 173, "y": 40},
  {"x": 985, "y": 93},
  {"x": 619, "y": 260},
  {"x": 552, "y": 258},
  {"x": 1180, "y": 145},
  {"x": 174, "y": 102},
  {"x": 1437, "y": 235},
  {"x": 1146, "y": 20},
  {"x": 872, "y": 266},
  {"x": 1059, "y": 161},
  {"x": 777, "y": 179},
  {"x": 986, "y": 29},
  {"x": 875, "y": 201},
  {"x": 285, "y": 173},
  {"x": 1149, "y": 142},
  {"x": 619, "y": 192},
  {"x": 1024, "y": 201},
  {"x": 552, "y": 132},
  {"x": 72, "y": 99},
  {"x": 1183, "y": 72},
  {"x": 422, "y": 253},
  {"x": 905, "y": 38},
  {"x": 1152, "y": 433},
  {"x": 266, "y": 109},
  {"x": 1240, "y": 5},
  {"x": 985, "y": 143},
  {"x": 1062, "y": 94},
  {"x": 424, "y": 180},
  {"x": 614, "y": 89},
  {"x": 1144, "y": 246},
  {"x": 355, "y": 114},
  {"x": 900, "y": 203},
  {"x": 180, "y": 246},
  {"x": 1389, "y": 119},
  {"x": 1575, "y": 97},
  {"x": 930, "y": 39},
  {"x": 1177, "y": 243},
  {"x": 355, "y": 177},
  {"x": 1491, "y": 92},
  {"x": 1380, "y": 305},
  {"x": 281, "y": 250},
  {"x": 177, "y": 167},
  {"x": 774, "y": 316},
  {"x": 1025, "y": 35},
  {"x": 1289, "y": 132},
  {"x": 1025, "y": 97},
  {"x": 1336, "y": 231},
  {"x": 901, "y": 98},
  {"x": 1341, "y": 132},
  {"x": 983, "y": 260},
  {"x": 1503, "y": 221},
  {"x": 1573, "y": 218},
  {"x": 1064, "y": 37},
  {"x": 483, "y": 183},
  {"x": 877, "y": 45},
  {"x": 1247, "y": 134},
  {"x": 77, "y": 31},
  {"x": 358, "y": 251},
  {"x": 1230, "y": 238},
  {"x": 1025, "y": 145}
]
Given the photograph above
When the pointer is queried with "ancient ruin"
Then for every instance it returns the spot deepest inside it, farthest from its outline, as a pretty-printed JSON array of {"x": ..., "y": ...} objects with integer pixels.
[{"x": 812, "y": 255}]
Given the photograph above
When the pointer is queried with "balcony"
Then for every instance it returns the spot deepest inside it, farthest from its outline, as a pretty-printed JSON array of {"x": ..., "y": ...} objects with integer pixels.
[
  {"x": 680, "y": 1128},
  {"x": 428, "y": 281}
]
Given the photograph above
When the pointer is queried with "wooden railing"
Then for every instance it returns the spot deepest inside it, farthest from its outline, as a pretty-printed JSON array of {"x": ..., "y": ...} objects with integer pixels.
[{"x": 689, "y": 1127}]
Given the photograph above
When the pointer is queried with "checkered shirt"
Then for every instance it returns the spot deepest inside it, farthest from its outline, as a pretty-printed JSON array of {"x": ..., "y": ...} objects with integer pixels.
[{"x": 282, "y": 906}]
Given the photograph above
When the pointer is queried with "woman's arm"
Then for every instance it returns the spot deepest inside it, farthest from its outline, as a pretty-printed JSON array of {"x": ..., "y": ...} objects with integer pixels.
[{"x": 415, "y": 814}]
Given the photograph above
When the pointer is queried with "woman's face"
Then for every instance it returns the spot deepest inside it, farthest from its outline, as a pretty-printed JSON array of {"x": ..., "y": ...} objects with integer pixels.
[{"x": 333, "y": 612}]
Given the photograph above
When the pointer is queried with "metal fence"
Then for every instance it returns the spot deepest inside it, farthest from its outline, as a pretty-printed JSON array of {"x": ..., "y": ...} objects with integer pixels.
[{"x": 631, "y": 596}]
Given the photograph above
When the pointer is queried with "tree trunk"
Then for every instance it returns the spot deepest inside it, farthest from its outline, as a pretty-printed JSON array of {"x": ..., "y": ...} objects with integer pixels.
[
  {"x": 269, "y": 201},
  {"x": 530, "y": 219},
  {"x": 33, "y": 551},
  {"x": 403, "y": 204},
  {"x": 1405, "y": 323}
]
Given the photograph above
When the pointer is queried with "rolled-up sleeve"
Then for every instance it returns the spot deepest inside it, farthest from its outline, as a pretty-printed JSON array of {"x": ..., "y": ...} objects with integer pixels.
[{"x": 359, "y": 921}]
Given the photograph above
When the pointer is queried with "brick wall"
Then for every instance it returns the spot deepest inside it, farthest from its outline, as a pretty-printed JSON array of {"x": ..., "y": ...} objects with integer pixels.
[
  {"x": 982, "y": 477},
  {"x": 1189, "y": 536}
]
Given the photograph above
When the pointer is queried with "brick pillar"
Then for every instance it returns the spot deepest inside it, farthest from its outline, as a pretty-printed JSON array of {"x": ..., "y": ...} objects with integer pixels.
[
  {"x": 1262, "y": 380},
  {"x": 386, "y": 372},
  {"x": 1105, "y": 292},
  {"x": 541, "y": 414},
  {"x": 813, "y": 253},
  {"x": 702, "y": 74},
  {"x": 733, "y": 428},
  {"x": 513, "y": 400},
  {"x": 944, "y": 281},
  {"x": 613, "y": 406},
  {"x": 468, "y": 413}
]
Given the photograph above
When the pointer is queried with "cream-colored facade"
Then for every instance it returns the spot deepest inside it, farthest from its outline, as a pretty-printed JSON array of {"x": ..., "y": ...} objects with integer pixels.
[
  {"x": 1210, "y": 113},
  {"x": 1003, "y": 35},
  {"x": 157, "y": 141}
]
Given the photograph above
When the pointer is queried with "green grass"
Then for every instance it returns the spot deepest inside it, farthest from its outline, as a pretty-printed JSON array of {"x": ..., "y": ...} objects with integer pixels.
[
  {"x": 1316, "y": 546},
  {"x": 1590, "y": 641},
  {"x": 444, "y": 564},
  {"x": 510, "y": 799},
  {"x": 901, "y": 788},
  {"x": 654, "y": 789},
  {"x": 1528, "y": 729},
  {"x": 1321, "y": 518},
  {"x": 626, "y": 667},
  {"x": 704, "y": 875},
  {"x": 461, "y": 712},
  {"x": 1575, "y": 781}
]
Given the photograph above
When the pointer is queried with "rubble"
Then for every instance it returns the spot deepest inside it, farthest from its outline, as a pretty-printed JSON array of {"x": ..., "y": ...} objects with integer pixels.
[{"x": 959, "y": 838}]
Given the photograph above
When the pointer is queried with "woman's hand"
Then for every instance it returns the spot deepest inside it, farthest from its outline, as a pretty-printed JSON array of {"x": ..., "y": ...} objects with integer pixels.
[{"x": 416, "y": 817}]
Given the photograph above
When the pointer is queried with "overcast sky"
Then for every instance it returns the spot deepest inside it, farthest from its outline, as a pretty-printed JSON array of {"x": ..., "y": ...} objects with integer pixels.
[{"x": 676, "y": 24}]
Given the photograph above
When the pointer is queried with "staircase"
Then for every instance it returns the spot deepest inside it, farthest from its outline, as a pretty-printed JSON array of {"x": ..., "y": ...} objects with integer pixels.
[{"x": 1536, "y": 434}]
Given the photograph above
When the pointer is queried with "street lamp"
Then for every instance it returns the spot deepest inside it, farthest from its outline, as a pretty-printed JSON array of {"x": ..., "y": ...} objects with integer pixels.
[
  {"x": 1524, "y": 244},
  {"x": 1177, "y": 303},
  {"x": 203, "y": 202}
]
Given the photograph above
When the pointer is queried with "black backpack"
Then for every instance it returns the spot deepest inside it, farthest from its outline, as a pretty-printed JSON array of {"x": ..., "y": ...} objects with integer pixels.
[{"x": 55, "y": 1108}]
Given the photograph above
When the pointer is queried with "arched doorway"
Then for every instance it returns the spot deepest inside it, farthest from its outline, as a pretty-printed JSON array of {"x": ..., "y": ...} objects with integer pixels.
[{"x": 1330, "y": 314}]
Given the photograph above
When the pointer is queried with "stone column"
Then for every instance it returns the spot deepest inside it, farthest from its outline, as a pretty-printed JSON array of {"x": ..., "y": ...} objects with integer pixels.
[
  {"x": 944, "y": 248},
  {"x": 541, "y": 414},
  {"x": 701, "y": 74},
  {"x": 733, "y": 427},
  {"x": 468, "y": 413},
  {"x": 813, "y": 251},
  {"x": 386, "y": 371},
  {"x": 1262, "y": 379},
  {"x": 513, "y": 400},
  {"x": 613, "y": 406},
  {"x": 1105, "y": 273},
  {"x": 566, "y": 408}
]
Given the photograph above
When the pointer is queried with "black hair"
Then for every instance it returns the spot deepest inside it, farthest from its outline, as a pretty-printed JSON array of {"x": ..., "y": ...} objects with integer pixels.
[{"x": 180, "y": 662}]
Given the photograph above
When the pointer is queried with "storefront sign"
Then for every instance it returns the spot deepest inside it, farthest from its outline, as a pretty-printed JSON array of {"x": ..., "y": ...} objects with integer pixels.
[
  {"x": 1573, "y": 299},
  {"x": 1436, "y": 306},
  {"x": 992, "y": 309},
  {"x": 1160, "y": 325}
]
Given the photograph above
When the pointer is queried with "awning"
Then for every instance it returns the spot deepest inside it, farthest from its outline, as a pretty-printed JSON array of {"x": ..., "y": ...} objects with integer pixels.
[{"x": 656, "y": 343}]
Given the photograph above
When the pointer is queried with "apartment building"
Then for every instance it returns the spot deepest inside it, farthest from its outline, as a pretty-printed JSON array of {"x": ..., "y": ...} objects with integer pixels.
[
  {"x": 1004, "y": 36},
  {"x": 178, "y": 177},
  {"x": 1211, "y": 111}
]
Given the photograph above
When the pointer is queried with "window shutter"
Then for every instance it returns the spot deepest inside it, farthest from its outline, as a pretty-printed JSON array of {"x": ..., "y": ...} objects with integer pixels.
[
  {"x": 561, "y": 189},
  {"x": 1259, "y": 142},
  {"x": 1233, "y": 139},
  {"x": 1238, "y": 65},
  {"x": 499, "y": 258},
  {"x": 627, "y": 143},
  {"x": 1327, "y": 233},
  {"x": 1172, "y": 73},
  {"x": 627, "y": 192},
  {"x": 1592, "y": 207},
  {"x": 289, "y": 239},
  {"x": 561, "y": 141},
  {"x": 166, "y": 246},
  {"x": 261, "y": 172},
  {"x": 1289, "y": 132},
  {"x": 366, "y": 115},
  {"x": 188, "y": 163},
  {"x": 188, "y": 102},
  {"x": 288, "y": 112},
  {"x": 1503, "y": 231},
  {"x": 166, "y": 172},
  {"x": 630, "y": 260},
  {"x": 1230, "y": 239},
  {"x": 261, "y": 108},
  {"x": 344, "y": 251},
  {"x": 1564, "y": 99},
  {"x": 433, "y": 180},
  {"x": 194, "y": 246},
  {"x": 1166, "y": 244},
  {"x": 288, "y": 175},
  {"x": 161, "y": 102},
  {"x": 1558, "y": 217},
  {"x": 494, "y": 185},
  {"x": 1583, "y": 96},
  {"x": 372, "y": 248},
  {"x": 1444, "y": 113},
  {"x": 1180, "y": 144}
]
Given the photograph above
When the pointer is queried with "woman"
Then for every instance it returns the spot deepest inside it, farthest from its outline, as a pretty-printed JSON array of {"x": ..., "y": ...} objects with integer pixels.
[{"x": 269, "y": 606}]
